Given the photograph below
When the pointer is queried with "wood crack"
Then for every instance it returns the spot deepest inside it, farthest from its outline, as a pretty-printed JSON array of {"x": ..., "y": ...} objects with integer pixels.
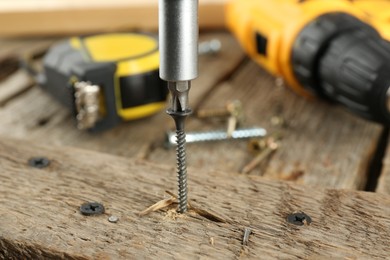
[
  {"x": 375, "y": 167},
  {"x": 21, "y": 250}
]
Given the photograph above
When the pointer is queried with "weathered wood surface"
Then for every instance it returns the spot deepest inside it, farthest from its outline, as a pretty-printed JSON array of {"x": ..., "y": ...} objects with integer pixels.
[
  {"x": 323, "y": 145},
  {"x": 15, "y": 81},
  {"x": 40, "y": 212},
  {"x": 384, "y": 178},
  {"x": 46, "y": 121},
  {"x": 59, "y": 17}
]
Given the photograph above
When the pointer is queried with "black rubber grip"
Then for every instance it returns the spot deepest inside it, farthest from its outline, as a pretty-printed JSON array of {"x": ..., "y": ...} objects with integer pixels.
[
  {"x": 355, "y": 71},
  {"x": 345, "y": 60}
]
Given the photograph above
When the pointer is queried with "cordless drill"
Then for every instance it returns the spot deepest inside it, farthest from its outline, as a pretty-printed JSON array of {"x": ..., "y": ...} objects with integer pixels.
[{"x": 335, "y": 49}]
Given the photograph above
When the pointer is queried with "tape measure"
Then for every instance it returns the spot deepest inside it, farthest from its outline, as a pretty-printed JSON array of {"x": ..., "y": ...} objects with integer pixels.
[{"x": 106, "y": 79}]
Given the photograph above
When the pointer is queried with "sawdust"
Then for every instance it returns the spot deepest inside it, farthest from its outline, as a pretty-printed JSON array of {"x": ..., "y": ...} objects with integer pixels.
[{"x": 173, "y": 215}]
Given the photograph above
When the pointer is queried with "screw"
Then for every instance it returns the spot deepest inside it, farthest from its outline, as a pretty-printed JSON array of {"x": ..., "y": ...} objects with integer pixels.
[
  {"x": 299, "y": 219},
  {"x": 257, "y": 145},
  {"x": 231, "y": 126},
  {"x": 270, "y": 147},
  {"x": 179, "y": 111},
  {"x": 39, "y": 162},
  {"x": 229, "y": 108},
  {"x": 236, "y": 116},
  {"x": 233, "y": 110},
  {"x": 91, "y": 208},
  {"x": 207, "y": 136},
  {"x": 210, "y": 47},
  {"x": 181, "y": 170},
  {"x": 245, "y": 239},
  {"x": 113, "y": 219}
]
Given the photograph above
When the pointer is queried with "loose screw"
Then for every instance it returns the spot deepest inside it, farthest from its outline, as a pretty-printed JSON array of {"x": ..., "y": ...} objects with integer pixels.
[
  {"x": 232, "y": 108},
  {"x": 39, "y": 162},
  {"x": 91, "y": 208},
  {"x": 207, "y": 136},
  {"x": 299, "y": 219},
  {"x": 266, "y": 147},
  {"x": 236, "y": 116}
]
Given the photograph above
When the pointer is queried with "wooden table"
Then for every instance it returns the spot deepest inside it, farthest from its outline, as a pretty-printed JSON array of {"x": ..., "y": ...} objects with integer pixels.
[{"x": 330, "y": 165}]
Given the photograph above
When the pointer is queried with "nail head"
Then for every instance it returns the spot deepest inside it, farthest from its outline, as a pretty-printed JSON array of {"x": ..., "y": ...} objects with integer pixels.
[
  {"x": 299, "y": 219},
  {"x": 91, "y": 208},
  {"x": 39, "y": 162}
]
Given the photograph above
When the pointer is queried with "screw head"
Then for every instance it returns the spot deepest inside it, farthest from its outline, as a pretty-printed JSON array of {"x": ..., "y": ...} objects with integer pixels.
[
  {"x": 91, "y": 208},
  {"x": 39, "y": 162},
  {"x": 299, "y": 219}
]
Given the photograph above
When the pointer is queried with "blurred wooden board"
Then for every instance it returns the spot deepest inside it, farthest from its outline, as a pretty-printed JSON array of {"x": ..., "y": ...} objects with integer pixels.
[
  {"x": 384, "y": 178},
  {"x": 41, "y": 219},
  {"x": 323, "y": 145},
  {"x": 64, "y": 17},
  {"x": 47, "y": 121}
]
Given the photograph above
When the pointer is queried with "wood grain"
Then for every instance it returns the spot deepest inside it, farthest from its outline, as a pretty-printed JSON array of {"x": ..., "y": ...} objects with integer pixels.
[
  {"x": 323, "y": 145},
  {"x": 13, "y": 80},
  {"x": 383, "y": 185},
  {"x": 64, "y": 17},
  {"x": 40, "y": 212}
]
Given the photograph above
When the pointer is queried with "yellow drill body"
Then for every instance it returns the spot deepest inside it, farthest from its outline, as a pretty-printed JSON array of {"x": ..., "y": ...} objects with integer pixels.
[{"x": 280, "y": 21}]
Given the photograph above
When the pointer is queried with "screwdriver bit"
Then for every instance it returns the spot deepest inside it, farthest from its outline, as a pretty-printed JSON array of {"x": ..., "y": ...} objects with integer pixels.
[{"x": 178, "y": 39}]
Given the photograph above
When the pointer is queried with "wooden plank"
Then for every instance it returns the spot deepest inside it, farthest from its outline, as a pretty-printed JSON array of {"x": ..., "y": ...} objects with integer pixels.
[
  {"x": 13, "y": 80},
  {"x": 20, "y": 48},
  {"x": 11, "y": 51},
  {"x": 14, "y": 85},
  {"x": 40, "y": 212},
  {"x": 46, "y": 121},
  {"x": 383, "y": 185},
  {"x": 59, "y": 17},
  {"x": 384, "y": 180},
  {"x": 323, "y": 145}
]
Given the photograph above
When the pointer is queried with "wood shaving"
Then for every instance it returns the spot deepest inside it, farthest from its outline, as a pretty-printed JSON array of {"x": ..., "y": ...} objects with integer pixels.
[
  {"x": 172, "y": 214},
  {"x": 157, "y": 206}
]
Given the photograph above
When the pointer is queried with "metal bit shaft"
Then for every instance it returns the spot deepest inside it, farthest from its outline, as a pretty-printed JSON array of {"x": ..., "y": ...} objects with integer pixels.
[{"x": 178, "y": 34}]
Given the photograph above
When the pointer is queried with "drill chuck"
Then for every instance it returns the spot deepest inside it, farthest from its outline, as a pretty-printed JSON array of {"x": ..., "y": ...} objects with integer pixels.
[
  {"x": 178, "y": 34},
  {"x": 345, "y": 60}
]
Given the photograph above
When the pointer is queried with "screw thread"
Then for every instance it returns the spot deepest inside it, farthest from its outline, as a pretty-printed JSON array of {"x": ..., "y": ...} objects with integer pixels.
[
  {"x": 181, "y": 170},
  {"x": 195, "y": 137}
]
